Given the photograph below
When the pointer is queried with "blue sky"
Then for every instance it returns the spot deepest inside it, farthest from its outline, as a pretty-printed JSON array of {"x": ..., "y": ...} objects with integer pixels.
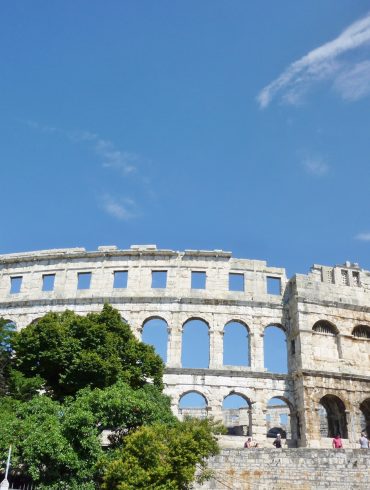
[{"x": 210, "y": 124}]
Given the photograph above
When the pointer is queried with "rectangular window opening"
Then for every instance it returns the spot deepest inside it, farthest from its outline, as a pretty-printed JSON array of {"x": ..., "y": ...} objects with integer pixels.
[
  {"x": 356, "y": 278},
  {"x": 120, "y": 279},
  {"x": 15, "y": 284},
  {"x": 198, "y": 280},
  {"x": 48, "y": 282},
  {"x": 344, "y": 276},
  {"x": 84, "y": 280},
  {"x": 236, "y": 281},
  {"x": 273, "y": 285},
  {"x": 159, "y": 279}
]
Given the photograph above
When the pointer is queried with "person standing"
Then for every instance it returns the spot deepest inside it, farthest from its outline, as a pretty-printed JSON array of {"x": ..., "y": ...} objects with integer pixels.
[
  {"x": 364, "y": 441},
  {"x": 277, "y": 441},
  {"x": 337, "y": 442}
]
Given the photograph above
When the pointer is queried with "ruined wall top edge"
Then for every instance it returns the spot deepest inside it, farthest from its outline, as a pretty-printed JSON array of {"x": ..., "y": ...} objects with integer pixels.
[{"x": 135, "y": 251}]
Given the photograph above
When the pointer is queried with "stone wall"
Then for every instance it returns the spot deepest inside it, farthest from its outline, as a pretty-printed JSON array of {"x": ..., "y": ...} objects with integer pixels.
[
  {"x": 328, "y": 359},
  {"x": 301, "y": 469}
]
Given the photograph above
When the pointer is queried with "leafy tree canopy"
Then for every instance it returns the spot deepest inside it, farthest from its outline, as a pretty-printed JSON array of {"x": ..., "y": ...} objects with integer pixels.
[
  {"x": 69, "y": 352},
  {"x": 58, "y": 442},
  {"x": 69, "y": 378},
  {"x": 161, "y": 457},
  {"x": 7, "y": 330}
]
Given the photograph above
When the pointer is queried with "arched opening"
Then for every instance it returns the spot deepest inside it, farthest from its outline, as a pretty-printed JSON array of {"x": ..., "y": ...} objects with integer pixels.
[
  {"x": 155, "y": 333},
  {"x": 278, "y": 418},
  {"x": 237, "y": 415},
  {"x": 361, "y": 331},
  {"x": 195, "y": 344},
  {"x": 236, "y": 344},
  {"x": 323, "y": 326},
  {"x": 365, "y": 419},
  {"x": 193, "y": 404},
  {"x": 332, "y": 413},
  {"x": 275, "y": 349},
  {"x": 325, "y": 346}
]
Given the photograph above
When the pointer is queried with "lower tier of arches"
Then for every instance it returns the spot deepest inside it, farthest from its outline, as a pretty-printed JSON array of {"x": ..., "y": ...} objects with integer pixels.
[{"x": 263, "y": 405}]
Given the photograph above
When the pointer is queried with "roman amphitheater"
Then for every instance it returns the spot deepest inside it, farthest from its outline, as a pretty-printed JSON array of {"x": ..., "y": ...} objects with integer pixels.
[{"x": 324, "y": 317}]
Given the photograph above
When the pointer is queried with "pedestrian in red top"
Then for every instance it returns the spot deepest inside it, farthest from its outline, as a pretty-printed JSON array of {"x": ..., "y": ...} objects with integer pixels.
[{"x": 337, "y": 442}]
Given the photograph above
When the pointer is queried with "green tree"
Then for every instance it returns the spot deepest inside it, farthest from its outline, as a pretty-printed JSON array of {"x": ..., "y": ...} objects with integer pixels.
[
  {"x": 161, "y": 457},
  {"x": 94, "y": 375},
  {"x": 6, "y": 334},
  {"x": 59, "y": 443},
  {"x": 69, "y": 352}
]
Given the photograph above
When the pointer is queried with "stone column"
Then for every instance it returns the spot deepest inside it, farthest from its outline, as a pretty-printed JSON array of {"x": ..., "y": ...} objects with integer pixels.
[
  {"x": 259, "y": 427},
  {"x": 256, "y": 349},
  {"x": 216, "y": 348},
  {"x": 353, "y": 432},
  {"x": 174, "y": 345}
]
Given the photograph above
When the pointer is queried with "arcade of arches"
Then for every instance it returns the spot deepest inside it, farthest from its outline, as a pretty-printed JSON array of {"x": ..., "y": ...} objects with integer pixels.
[
  {"x": 256, "y": 413},
  {"x": 236, "y": 344}
]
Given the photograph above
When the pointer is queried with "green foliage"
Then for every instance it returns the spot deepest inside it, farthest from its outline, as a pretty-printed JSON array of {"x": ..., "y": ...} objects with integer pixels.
[
  {"x": 69, "y": 352},
  {"x": 94, "y": 375},
  {"x": 6, "y": 334},
  {"x": 56, "y": 441},
  {"x": 161, "y": 457}
]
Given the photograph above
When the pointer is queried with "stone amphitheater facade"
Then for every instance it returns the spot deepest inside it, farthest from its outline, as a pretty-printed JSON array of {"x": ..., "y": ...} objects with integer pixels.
[{"x": 324, "y": 315}]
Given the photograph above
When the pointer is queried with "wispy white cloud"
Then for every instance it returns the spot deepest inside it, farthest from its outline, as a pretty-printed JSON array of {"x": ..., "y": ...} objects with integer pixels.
[
  {"x": 325, "y": 63},
  {"x": 111, "y": 156},
  {"x": 316, "y": 166},
  {"x": 364, "y": 237},
  {"x": 121, "y": 209},
  {"x": 355, "y": 83}
]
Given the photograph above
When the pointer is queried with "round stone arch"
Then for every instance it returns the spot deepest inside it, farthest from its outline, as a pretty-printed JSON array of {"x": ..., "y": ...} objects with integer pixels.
[
  {"x": 236, "y": 343},
  {"x": 278, "y": 325},
  {"x": 199, "y": 336},
  {"x": 197, "y": 412},
  {"x": 364, "y": 407},
  {"x": 238, "y": 320},
  {"x": 325, "y": 327},
  {"x": 189, "y": 391},
  {"x": 154, "y": 331},
  {"x": 240, "y": 393},
  {"x": 201, "y": 318},
  {"x": 332, "y": 411},
  {"x": 281, "y": 395},
  {"x": 324, "y": 330},
  {"x": 275, "y": 349},
  {"x": 281, "y": 418},
  {"x": 153, "y": 317},
  {"x": 361, "y": 331},
  {"x": 238, "y": 419}
]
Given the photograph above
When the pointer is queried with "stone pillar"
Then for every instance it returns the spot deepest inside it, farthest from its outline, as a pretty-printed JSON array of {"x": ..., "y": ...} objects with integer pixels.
[
  {"x": 216, "y": 349},
  {"x": 174, "y": 345},
  {"x": 353, "y": 433},
  {"x": 256, "y": 349},
  {"x": 259, "y": 427}
]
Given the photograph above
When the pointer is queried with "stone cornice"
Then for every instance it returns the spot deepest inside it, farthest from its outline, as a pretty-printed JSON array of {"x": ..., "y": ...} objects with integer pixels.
[
  {"x": 227, "y": 373},
  {"x": 99, "y": 300}
]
